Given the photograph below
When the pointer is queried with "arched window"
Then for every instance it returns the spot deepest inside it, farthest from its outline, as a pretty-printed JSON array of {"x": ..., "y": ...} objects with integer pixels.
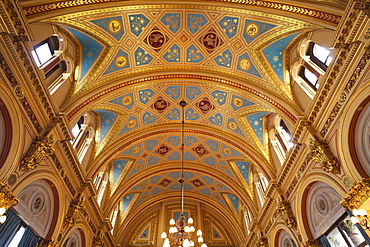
[
  {"x": 114, "y": 216},
  {"x": 84, "y": 135},
  {"x": 101, "y": 181},
  {"x": 280, "y": 137},
  {"x": 314, "y": 60},
  {"x": 45, "y": 50},
  {"x": 247, "y": 219},
  {"x": 260, "y": 182},
  {"x": 48, "y": 57}
]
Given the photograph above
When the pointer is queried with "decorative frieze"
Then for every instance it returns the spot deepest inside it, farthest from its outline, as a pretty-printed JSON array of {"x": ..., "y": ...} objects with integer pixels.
[{"x": 321, "y": 153}]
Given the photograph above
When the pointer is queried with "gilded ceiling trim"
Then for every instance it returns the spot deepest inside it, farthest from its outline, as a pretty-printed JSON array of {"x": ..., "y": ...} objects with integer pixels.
[
  {"x": 242, "y": 87},
  {"x": 261, "y": 4},
  {"x": 200, "y": 132}
]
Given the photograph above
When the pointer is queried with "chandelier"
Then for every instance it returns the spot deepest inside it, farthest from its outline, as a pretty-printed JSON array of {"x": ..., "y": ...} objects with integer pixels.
[{"x": 182, "y": 232}]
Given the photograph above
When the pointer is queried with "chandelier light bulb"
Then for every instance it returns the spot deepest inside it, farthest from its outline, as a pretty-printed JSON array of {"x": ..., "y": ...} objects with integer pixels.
[
  {"x": 200, "y": 239},
  {"x": 164, "y": 235},
  {"x": 192, "y": 229},
  {"x": 172, "y": 222},
  {"x": 362, "y": 212},
  {"x": 203, "y": 245},
  {"x": 190, "y": 221},
  {"x": 191, "y": 243},
  {"x": 199, "y": 232},
  {"x": 2, "y": 219},
  {"x": 186, "y": 243},
  {"x": 187, "y": 229},
  {"x": 2, "y": 211}
]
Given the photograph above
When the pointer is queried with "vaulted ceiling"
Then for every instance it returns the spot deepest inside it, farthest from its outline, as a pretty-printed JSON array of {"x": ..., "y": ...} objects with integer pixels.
[{"x": 136, "y": 61}]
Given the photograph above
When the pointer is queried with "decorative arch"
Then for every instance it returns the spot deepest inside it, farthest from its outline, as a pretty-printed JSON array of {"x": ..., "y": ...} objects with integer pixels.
[
  {"x": 11, "y": 132},
  {"x": 319, "y": 205},
  {"x": 75, "y": 239},
  {"x": 354, "y": 144},
  {"x": 37, "y": 206}
]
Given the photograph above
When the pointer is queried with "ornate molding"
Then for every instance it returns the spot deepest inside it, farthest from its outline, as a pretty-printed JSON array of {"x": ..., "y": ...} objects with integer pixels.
[
  {"x": 311, "y": 243},
  {"x": 97, "y": 242},
  {"x": 321, "y": 153},
  {"x": 262, "y": 242},
  {"x": 275, "y": 6},
  {"x": 7, "y": 199},
  {"x": 285, "y": 210},
  {"x": 40, "y": 150},
  {"x": 47, "y": 243},
  {"x": 357, "y": 195},
  {"x": 75, "y": 209}
]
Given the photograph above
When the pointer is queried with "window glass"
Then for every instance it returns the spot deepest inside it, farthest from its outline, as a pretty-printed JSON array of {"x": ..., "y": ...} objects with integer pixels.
[
  {"x": 17, "y": 237},
  {"x": 310, "y": 76},
  {"x": 345, "y": 233},
  {"x": 322, "y": 54},
  {"x": 42, "y": 53}
]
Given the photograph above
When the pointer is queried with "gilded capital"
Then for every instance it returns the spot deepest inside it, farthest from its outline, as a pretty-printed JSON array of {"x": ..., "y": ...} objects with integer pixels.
[
  {"x": 47, "y": 243},
  {"x": 7, "y": 199},
  {"x": 357, "y": 195},
  {"x": 97, "y": 242},
  {"x": 262, "y": 242},
  {"x": 311, "y": 243},
  {"x": 40, "y": 149},
  {"x": 75, "y": 209},
  {"x": 285, "y": 210},
  {"x": 321, "y": 153}
]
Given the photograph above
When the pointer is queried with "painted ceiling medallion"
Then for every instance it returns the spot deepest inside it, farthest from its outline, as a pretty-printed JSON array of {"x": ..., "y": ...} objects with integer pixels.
[
  {"x": 121, "y": 61},
  {"x": 163, "y": 150},
  {"x": 114, "y": 26},
  {"x": 252, "y": 29},
  {"x": 211, "y": 40},
  {"x": 156, "y": 39},
  {"x": 205, "y": 105},
  {"x": 200, "y": 150},
  {"x": 160, "y": 104},
  {"x": 165, "y": 182},
  {"x": 197, "y": 183}
]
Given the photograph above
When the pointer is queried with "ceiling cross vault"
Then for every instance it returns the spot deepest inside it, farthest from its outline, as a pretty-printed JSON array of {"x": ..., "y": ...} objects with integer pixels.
[{"x": 135, "y": 63}]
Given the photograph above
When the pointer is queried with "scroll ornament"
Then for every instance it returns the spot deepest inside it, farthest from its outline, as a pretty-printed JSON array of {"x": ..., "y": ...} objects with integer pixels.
[
  {"x": 321, "y": 153},
  {"x": 47, "y": 243},
  {"x": 75, "y": 209},
  {"x": 262, "y": 242},
  {"x": 40, "y": 149},
  {"x": 286, "y": 212}
]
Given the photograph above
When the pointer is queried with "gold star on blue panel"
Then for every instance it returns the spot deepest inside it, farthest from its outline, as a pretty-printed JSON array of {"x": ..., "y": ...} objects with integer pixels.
[
  {"x": 274, "y": 54},
  {"x": 106, "y": 123},
  {"x": 243, "y": 167},
  {"x": 118, "y": 167},
  {"x": 256, "y": 122}
]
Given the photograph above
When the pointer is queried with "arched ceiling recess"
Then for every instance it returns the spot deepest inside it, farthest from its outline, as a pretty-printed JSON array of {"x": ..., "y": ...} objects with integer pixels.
[{"x": 137, "y": 62}]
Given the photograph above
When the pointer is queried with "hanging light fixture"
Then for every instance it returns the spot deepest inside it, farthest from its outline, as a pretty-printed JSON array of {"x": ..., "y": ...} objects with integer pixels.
[{"x": 182, "y": 232}]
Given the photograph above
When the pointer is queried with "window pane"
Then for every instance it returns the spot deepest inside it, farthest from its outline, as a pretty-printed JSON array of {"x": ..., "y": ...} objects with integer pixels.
[
  {"x": 310, "y": 76},
  {"x": 320, "y": 53},
  {"x": 17, "y": 237},
  {"x": 351, "y": 231},
  {"x": 336, "y": 239},
  {"x": 43, "y": 53}
]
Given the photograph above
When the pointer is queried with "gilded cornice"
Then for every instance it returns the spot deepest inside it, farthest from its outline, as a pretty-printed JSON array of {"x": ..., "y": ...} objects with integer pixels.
[
  {"x": 299, "y": 10},
  {"x": 63, "y": 175},
  {"x": 347, "y": 87}
]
